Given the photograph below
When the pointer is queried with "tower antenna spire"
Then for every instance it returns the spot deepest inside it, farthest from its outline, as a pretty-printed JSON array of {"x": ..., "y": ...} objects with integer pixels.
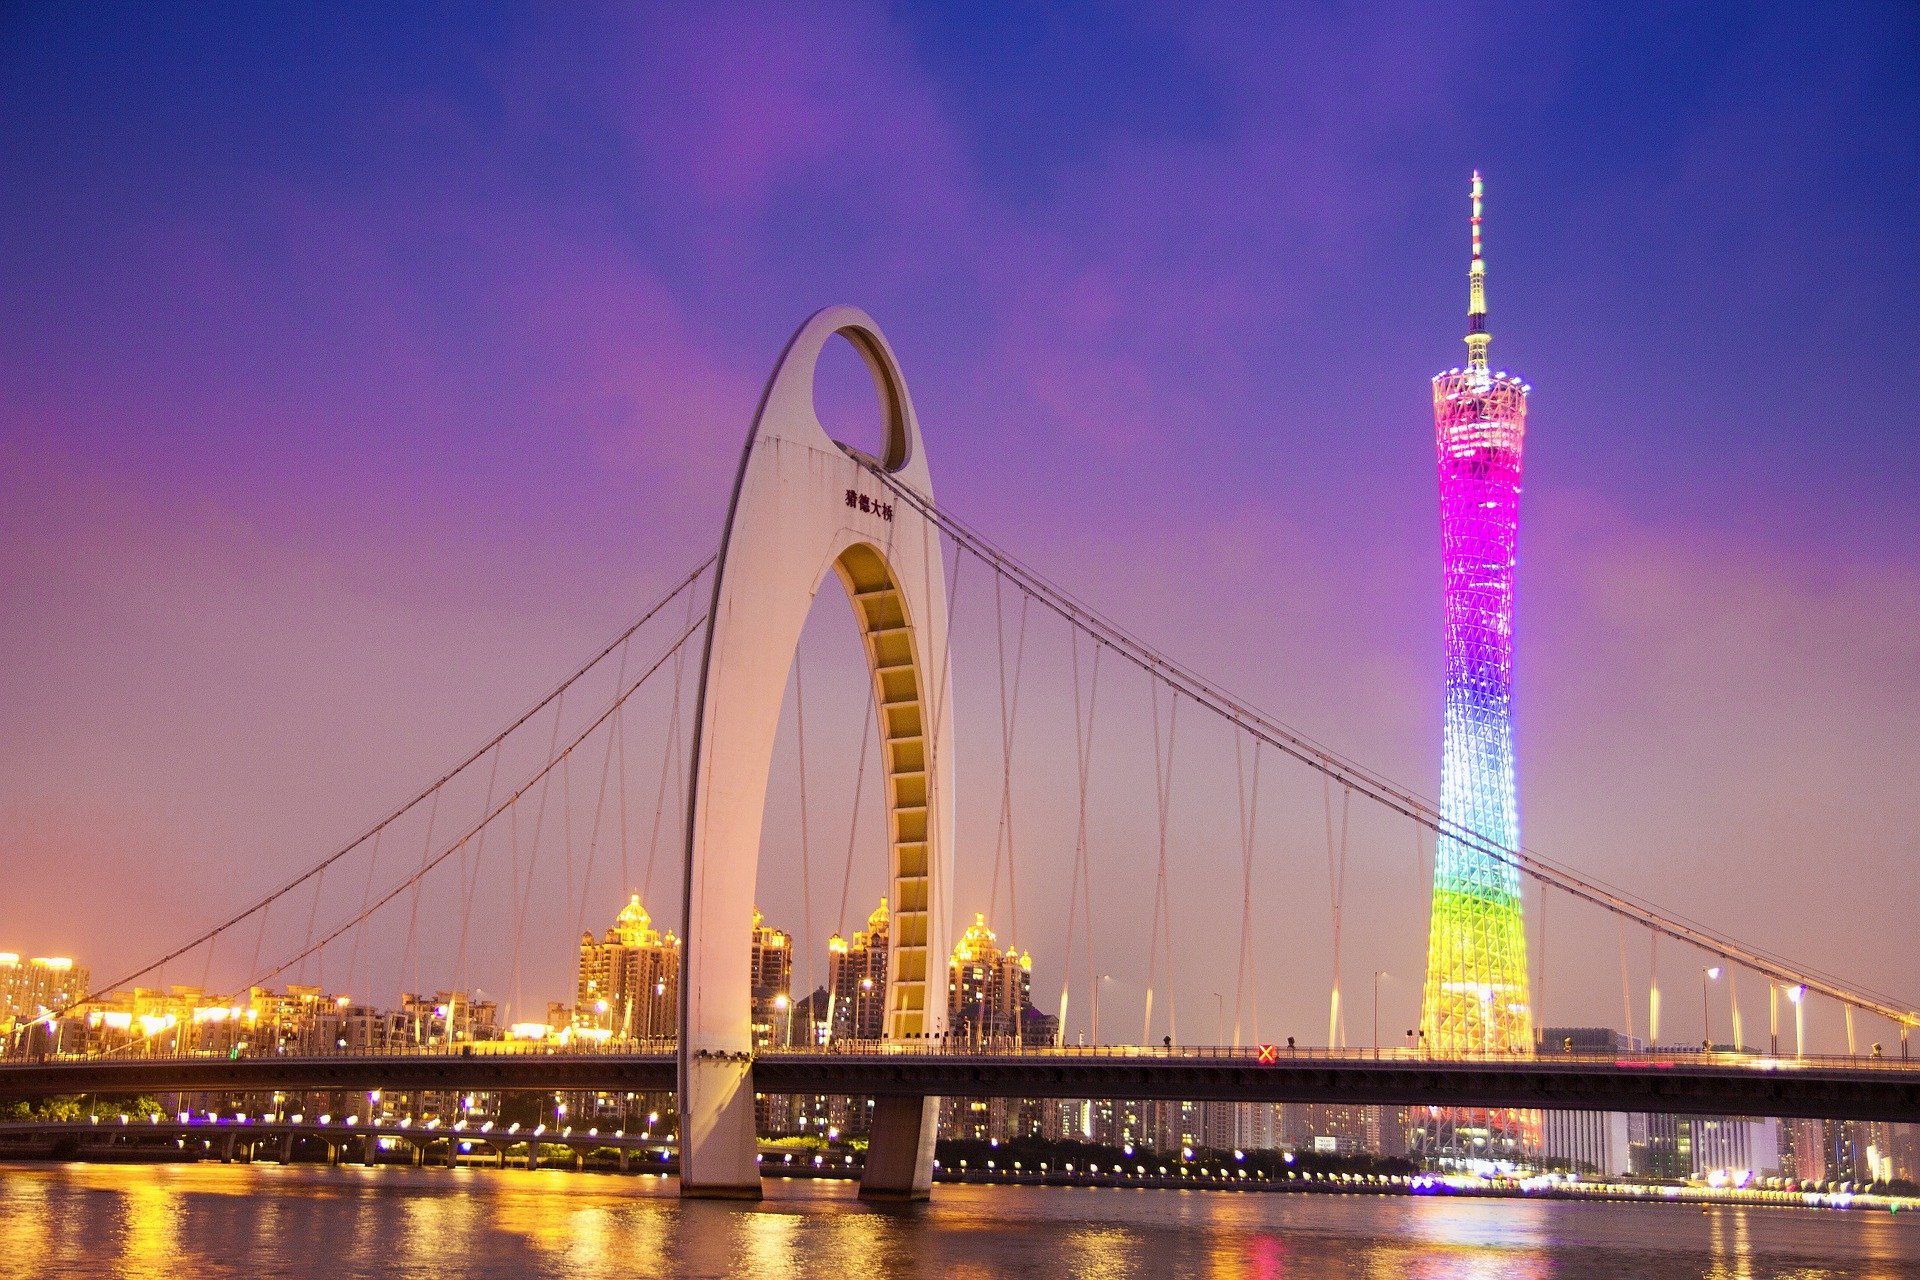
[{"x": 1477, "y": 335}]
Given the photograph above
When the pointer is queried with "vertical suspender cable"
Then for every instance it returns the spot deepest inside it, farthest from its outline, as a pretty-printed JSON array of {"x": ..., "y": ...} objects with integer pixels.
[
  {"x": 806, "y": 846},
  {"x": 523, "y": 898},
  {"x": 1653, "y": 988},
  {"x": 1336, "y": 891},
  {"x": 1626, "y": 983},
  {"x": 1009, "y": 720},
  {"x": 1249, "y": 817},
  {"x": 1080, "y": 880},
  {"x": 1162, "y": 925},
  {"x": 868, "y": 730},
  {"x": 411, "y": 953},
  {"x": 600, "y": 801},
  {"x": 940, "y": 904},
  {"x": 466, "y": 885}
]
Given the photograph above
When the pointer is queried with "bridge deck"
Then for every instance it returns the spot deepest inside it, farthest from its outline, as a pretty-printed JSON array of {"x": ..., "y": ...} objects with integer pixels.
[{"x": 1695, "y": 1083}]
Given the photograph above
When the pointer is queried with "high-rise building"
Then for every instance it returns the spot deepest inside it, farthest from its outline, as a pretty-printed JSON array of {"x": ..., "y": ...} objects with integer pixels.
[
  {"x": 44, "y": 984},
  {"x": 771, "y": 976},
  {"x": 990, "y": 1002},
  {"x": 1475, "y": 999},
  {"x": 1339, "y": 1127},
  {"x": 629, "y": 981},
  {"x": 857, "y": 980},
  {"x": 1587, "y": 1140},
  {"x": 990, "y": 992}
]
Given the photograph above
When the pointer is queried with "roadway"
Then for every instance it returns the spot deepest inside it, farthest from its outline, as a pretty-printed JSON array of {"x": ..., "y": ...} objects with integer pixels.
[{"x": 1841, "y": 1088}]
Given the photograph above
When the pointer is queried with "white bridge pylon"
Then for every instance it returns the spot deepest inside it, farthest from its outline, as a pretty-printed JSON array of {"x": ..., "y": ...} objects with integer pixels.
[{"x": 804, "y": 505}]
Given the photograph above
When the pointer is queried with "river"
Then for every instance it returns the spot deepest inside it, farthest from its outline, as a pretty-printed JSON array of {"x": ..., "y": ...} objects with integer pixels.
[{"x": 182, "y": 1222}]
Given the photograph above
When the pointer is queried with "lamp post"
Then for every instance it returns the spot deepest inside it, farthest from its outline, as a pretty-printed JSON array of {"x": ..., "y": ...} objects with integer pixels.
[
  {"x": 1709, "y": 974},
  {"x": 785, "y": 1006},
  {"x": 1798, "y": 994}
]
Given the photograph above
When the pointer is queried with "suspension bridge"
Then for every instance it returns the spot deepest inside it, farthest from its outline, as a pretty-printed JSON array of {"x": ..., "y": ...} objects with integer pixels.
[{"x": 452, "y": 880}]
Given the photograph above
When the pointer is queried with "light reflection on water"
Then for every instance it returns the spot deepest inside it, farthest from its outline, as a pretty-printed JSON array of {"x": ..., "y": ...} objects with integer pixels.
[{"x": 175, "y": 1221}]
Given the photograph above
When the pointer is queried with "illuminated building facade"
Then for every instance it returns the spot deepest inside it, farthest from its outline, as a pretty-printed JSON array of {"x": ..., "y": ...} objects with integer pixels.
[
  {"x": 31, "y": 988},
  {"x": 857, "y": 979},
  {"x": 990, "y": 992},
  {"x": 629, "y": 981},
  {"x": 1475, "y": 1000},
  {"x": 772, "y": 985},
  {"x": 990, "y": 1003}
]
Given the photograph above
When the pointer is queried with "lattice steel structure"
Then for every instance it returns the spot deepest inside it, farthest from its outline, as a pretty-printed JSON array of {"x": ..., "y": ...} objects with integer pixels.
[{"x": 1475, "y": 1001}]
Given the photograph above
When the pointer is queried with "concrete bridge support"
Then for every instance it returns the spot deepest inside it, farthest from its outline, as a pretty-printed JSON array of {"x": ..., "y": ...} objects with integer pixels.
[
  {"x": 805, "y": 506},
  {"x": 900, "y": 1149}
]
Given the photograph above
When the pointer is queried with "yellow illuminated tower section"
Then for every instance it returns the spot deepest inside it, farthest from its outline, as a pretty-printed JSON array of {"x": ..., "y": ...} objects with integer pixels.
[{"x": 1475, "y": 1001}]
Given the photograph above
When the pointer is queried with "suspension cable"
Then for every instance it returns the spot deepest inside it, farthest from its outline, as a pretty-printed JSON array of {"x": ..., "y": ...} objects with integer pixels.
[
  {"x": 480, "y": 825},
  {"x": 1377, "y": 787},
  {"x": 433, "y": 790}
]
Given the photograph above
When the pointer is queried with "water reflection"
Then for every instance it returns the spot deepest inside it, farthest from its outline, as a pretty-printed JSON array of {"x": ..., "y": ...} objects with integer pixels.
[
  {"x": 152, "y": 1232},
  {"x": 309, "y": 1222}
]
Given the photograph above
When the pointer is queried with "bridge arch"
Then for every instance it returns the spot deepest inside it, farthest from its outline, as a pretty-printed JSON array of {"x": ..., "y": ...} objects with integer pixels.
[{"x": 806, "y": 506}]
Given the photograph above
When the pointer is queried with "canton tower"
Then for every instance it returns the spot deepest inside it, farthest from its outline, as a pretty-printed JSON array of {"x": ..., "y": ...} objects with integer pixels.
[{"x": 1475, "y": 1000}]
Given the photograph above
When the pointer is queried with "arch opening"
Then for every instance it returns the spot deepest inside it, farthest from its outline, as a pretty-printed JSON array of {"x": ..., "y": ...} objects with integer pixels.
[{"x": 805, "y": 504}]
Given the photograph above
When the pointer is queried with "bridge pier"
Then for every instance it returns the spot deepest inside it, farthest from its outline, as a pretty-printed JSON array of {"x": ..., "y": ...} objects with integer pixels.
[
  {"x": 226, "y": 1149},
  {"x": 286, "y": 1149},
  {"x": 717, "y": 1139},
  {"x": 900, "y": 1149}
]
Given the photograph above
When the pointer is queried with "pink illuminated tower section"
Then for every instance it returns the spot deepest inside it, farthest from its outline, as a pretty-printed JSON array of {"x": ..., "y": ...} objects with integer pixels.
[{"x": 1475, "y": 1001}]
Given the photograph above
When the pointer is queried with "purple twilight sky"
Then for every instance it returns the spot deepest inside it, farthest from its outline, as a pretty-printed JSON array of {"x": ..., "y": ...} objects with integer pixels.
[{"x": 360, "y": 374}]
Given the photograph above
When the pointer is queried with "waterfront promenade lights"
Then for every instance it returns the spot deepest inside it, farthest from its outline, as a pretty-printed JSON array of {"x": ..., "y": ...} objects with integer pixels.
[{"x": 1709, "y": 974}]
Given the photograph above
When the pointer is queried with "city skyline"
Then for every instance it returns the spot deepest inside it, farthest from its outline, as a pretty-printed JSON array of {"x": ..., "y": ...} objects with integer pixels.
[{"x": 1697, "y": 670}]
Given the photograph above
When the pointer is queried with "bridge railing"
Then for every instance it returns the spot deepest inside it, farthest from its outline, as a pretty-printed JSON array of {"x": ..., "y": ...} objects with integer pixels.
[{"x": 1225, "y": 1054}]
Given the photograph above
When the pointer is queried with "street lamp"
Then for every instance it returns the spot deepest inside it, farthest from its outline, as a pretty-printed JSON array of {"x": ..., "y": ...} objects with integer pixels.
[
  {"x": 1798, "y": 994},
  {"x": 785, "y": 1006},
  {"x": 1710, "y": 973}
]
